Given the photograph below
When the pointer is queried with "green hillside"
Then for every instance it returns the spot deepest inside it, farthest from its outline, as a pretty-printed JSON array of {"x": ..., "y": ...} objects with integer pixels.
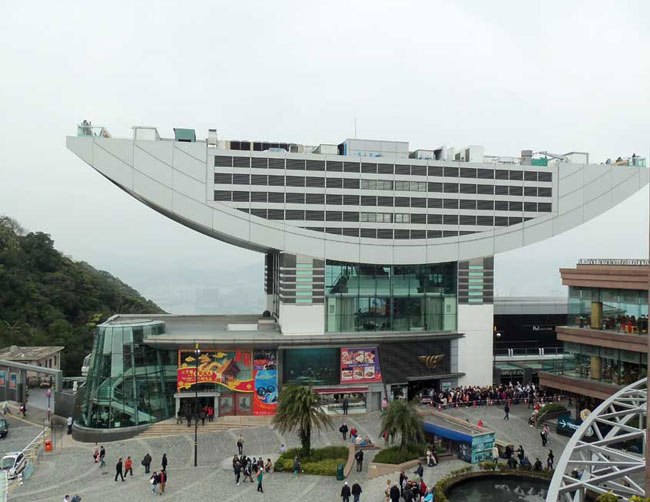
[{"x": 49, "y": 299}]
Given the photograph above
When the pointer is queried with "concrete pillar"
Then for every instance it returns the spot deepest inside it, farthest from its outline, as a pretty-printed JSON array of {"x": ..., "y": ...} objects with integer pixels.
[{"x": 596, "y": 315}]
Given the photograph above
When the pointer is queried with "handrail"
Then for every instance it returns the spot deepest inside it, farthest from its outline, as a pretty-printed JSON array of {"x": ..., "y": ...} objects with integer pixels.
[
  {"x": 90, "y": 130},
  {"x": 33, "y": 453}
]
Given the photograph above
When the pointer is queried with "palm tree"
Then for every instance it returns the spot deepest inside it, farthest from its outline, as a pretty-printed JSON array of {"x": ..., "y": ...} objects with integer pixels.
[
  {"x": 402, "y": 417},
  {"x": 300, "y": 408}
]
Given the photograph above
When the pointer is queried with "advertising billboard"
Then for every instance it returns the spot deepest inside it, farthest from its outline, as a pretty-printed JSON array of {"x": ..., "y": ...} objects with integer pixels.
[
  {"x": 13, "y": 380},
  {"x": 2, "y": 378},
  {"x": 231, "y": 369},
  {"x": 360, "y": 365},
  {"x": 265, "y": 372}
]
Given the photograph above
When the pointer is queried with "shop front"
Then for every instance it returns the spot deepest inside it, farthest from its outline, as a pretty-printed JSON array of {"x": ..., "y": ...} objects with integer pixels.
[{"x": 237, "y": 382}]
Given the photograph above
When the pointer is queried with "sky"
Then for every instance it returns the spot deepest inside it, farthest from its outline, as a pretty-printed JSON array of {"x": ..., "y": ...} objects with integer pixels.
[{"x": 508, "y": 75}]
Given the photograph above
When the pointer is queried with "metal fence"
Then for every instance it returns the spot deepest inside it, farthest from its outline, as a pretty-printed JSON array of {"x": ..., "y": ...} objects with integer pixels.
[{"x": 33, "y": 453}]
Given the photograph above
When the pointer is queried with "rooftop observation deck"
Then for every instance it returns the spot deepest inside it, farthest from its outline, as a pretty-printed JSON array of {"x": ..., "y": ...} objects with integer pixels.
[{"x": 376, "y": 149}]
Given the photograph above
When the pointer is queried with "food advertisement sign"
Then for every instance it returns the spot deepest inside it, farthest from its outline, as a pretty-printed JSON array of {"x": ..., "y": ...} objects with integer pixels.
[
  {"x": 360, "y": 365},
  {"x": 265, "y": 371},
  {"x": 231, "y": 369}
]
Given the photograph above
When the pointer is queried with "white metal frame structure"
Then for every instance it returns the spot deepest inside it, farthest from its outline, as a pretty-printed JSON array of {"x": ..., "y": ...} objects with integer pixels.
[{"x": 603, "y": 464}]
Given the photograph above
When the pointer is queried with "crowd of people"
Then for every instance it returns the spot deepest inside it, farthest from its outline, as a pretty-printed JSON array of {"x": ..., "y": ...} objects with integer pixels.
[
  {"x": 488, "y": 395},
  {"x": 411, "y": 489},
  {"x": 517, "y": 459},
  {"x": 249, "y": 468}
]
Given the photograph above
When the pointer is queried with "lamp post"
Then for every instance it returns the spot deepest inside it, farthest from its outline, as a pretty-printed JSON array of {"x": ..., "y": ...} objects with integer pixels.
[{"x": 197, "y": 354}]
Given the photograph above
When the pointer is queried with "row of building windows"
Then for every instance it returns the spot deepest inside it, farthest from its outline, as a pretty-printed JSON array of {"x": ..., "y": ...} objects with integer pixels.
[
  {"x": 378, "y": 201},
  {"x": 375, "y": 168},
  {"x": 416, "y": 218},
  {"x": 389, "y": 233},
  {"x": 356, "y": 184}
]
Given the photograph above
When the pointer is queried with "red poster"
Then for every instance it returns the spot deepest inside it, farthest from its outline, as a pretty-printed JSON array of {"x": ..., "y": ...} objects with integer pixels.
[{"x": 223, "y": 368}]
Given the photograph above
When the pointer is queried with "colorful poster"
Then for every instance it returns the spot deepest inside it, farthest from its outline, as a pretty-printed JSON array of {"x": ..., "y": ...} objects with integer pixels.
[
  {"x": 13, "y": 380},
  {"x": 230, "y": 369},
  {"x": 265, "y": 370},
  {"x": 360, "y": 365},
  {"x": 2, "y": 378}
]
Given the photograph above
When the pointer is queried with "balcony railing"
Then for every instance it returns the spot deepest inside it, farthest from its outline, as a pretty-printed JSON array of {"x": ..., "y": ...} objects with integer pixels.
[{"x": 87, "y": 129}]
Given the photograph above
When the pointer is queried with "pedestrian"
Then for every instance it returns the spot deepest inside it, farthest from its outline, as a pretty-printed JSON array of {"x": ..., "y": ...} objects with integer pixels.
[
  {"x": 69, "y": 425},
  {"x": 164, "y": 462},
  {"x": 96, "y": 454},
  {"x": 283, "y": 449},
  {"x": 268, "y": 465},
  {"x": 495, "y": 456},
  {"x": 76, "y": 498},
  {"x": 507, "y": 410},
  {"x": 247, "y": 472},
  {"x": 549, "y": 460},
  {"x": 345, "y": 492},
  {"x": 128, "y": 466},
  {"x": 210, "y": 414},
  {"x": 118, "y": 469},
  {"x": 260, "y": 476},
  {"x": 179, "y": 417},
  {"x": 520, "y": 453},
  {"x": 345, "y": 406},
  {"x": 237, "y": 470},
  {"x": 543, "y": 436},
  {"x": 394, "y": 493},
  {"x": 359, "y": 457},
  {"x": 102, "y": 457},
  {"x": 356, "y": 491},
  {"x": 188, "y": 417},
  {"x": 240, "y": 444},
  {"x": 344, "y": 431},
  {"x": 154, "y": 482},
  {"x": 420, "y": 470},
  {"x": 163, "y": 480},
  {"x": 296, "y": 466},
  {"x": 387, "y": 491},
  {"x": 547, "y": 433},
  {"x": 146, "y": 461},
  {"x": 202, "y": 416},
  {"x": 23, "y": 410},
  {"x": 66, "y": 498}
]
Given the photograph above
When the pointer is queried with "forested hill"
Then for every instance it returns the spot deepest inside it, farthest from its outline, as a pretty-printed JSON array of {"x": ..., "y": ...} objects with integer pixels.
[{"x": 49, "y": 299}]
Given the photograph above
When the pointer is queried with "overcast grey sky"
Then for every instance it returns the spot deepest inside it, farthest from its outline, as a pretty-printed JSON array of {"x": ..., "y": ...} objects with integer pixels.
[{"x": 548, "y": 75}]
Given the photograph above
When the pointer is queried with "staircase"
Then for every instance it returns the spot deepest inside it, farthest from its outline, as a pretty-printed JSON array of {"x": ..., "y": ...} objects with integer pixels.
[{"x": 171, "y": 428}]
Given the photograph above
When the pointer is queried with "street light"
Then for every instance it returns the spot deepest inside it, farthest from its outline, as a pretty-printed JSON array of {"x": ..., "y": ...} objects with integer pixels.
[{"x": 197, "y": 354}]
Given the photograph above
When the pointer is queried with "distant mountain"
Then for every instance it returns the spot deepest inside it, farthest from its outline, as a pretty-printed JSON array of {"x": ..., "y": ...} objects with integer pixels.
[{"x": 48, "y": 299}]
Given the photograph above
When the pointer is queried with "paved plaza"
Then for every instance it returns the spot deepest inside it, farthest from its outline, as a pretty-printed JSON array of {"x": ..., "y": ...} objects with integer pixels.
[{"x": 71, "y": 470}]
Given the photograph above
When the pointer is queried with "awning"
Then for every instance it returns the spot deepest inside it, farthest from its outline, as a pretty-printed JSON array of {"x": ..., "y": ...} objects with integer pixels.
[
  {"x": 444, "y": 432},
  {"x": 342, "y": 390}
]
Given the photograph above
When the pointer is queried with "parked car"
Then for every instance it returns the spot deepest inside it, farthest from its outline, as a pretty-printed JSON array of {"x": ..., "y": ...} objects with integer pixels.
[
  {"x": 4, "y": 428},
  {"x": 14, "y": 463}
]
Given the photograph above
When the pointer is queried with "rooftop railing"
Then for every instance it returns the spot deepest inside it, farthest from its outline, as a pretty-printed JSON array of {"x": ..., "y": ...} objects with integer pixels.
[{"x": 87, "y": 129}]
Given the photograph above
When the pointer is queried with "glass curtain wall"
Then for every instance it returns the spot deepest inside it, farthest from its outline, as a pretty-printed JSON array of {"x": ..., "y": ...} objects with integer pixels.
[
  {"x": 128, "y": 383},
  {"x": 623, "y": 309},
  {"x": 390, "y": 297}
]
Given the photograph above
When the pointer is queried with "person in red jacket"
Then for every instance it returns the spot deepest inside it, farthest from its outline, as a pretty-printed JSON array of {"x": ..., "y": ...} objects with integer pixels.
[{"x": 128, "y": 466}]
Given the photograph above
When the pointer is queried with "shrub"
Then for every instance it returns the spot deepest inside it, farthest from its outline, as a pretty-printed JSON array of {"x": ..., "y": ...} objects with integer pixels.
[
  {"x": 322, "y": 461},
  {"x": 551, "y": 407},
  {"x": 607, "y": 497},
  {"x": 394, "y": 455},
  {"x": 487, "y": 465}
]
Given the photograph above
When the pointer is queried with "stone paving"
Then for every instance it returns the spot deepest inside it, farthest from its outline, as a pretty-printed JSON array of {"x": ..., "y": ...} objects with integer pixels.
[{"x": 70, "y": 469}]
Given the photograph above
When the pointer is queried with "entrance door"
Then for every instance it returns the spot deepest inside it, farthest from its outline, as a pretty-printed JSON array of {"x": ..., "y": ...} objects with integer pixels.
[
  {"x": 244, "y": 404},
  {"x": 226, "y": 405}
]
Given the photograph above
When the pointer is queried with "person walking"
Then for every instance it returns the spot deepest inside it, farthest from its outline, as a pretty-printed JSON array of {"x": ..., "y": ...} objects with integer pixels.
[
  {"x": 549, "y": 460},
  {"x": 188, "y": 416},
  {"x": 387, "y": 491},
  {"x": 164, "y": 462},
  {"x": 154, "y": 480},
  {"x": 260, "y": 476},
  {"x": 356, "y": 491},
  {"x": 102, "y": 457},
  {"x": 419, "y": 470},
  {"x": 507, "y": 410},
  {"x": 210, "y": 414},
  {"x": 247, "y": 472},
  {"x": 240, "y": 444},
  {"x": 359, "y": 457},
  {"x": 543, "y": 436},
  {"x": 69, "y": 425},
  {"x": 495, "y": 456},
  {"x": 237, "y": 470},
  {"x": 346, "y": 405},
  {"x": 296, "y": 466},
  {"x": 96, "y": 454},
  {"x": 146, "y": 461},
  {"x": 163, "y": 480},
  {"x": 394, "y": 493},
  {"x": 128, "y": 466},
  {"x": 547, "y": 433},
  {"x": 202, "y": 417},
  {"x": 344, "y": 431},
  {"x": 520, "y": 453},
  {"x": 118, "y": 469},
  {"x": 345, "y": 492}
]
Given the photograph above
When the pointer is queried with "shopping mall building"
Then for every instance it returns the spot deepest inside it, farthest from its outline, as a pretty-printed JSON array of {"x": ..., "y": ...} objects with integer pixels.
[
  {"x": 606, "y": 338},
  {"x": 379, "y": 269}
]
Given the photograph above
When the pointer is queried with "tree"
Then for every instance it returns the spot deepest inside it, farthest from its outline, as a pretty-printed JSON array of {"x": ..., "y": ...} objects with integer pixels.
[
  {"x": 300, "y": 408},
  {"x": 402, "y": 417}
]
